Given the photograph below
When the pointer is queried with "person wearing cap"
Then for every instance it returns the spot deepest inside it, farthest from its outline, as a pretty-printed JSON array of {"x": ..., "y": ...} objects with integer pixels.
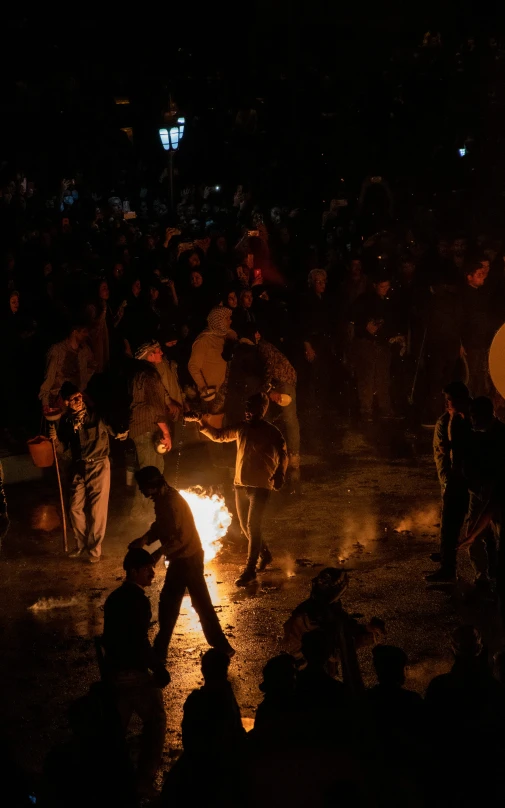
[
  {"x": 149, "y": 417},
  {"x": 132, "y": 667},
  {"x": 174, "y": 528},
  {"x": 83, "y": 436},
  {"x": 260, "y": 468},
  {"x": 375, "y": 330},
  {"x": 450, "y": 446},
  {"x": 207, "y": 366}
]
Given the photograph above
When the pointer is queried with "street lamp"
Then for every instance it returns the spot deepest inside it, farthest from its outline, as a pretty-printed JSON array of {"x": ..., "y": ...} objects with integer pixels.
[{"x": 170, "y": 140}]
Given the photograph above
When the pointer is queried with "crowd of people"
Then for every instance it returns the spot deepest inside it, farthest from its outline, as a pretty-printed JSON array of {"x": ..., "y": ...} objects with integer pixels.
[{"x": 268, "y": 325}]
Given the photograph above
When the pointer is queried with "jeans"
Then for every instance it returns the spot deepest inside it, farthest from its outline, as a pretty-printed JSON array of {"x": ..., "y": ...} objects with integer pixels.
[
  {"x": 372, "y": 361},
  {"x": 136, "y": 692},
  {"x": 89, "y": 504},
  {"x": 454, "y": 510},
  {"x": 146, "y": 456},
  {"x": 182, "y": 574},
  {"x": 287, "y": 419},
  {"x": 251, "y": 503}
]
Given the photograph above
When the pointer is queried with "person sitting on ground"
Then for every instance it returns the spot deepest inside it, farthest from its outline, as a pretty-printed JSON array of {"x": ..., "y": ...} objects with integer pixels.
[
  {"x": 135, "y": 671},
  {"x": 210, "y": 769},
  {"x": 275, "y": 716},
  {"x": 324, "y": 610}
]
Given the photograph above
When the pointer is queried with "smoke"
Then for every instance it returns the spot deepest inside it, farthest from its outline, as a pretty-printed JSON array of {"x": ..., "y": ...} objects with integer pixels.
[
  {"x": 46, "y": 604},
  {"x": 419, "y": 521}
]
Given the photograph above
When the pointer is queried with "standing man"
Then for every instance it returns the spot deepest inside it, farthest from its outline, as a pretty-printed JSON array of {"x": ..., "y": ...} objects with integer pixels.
[
  {"x": 180, "y": 543},
  {"x": 207, "y": 366},
  {"x": 450, "y": 444},
  {"x": 375, "y": 330},
  {"x": 68, "y": 361},
  {"x": 135, "y": 671},
  {"x": 84, "y": 437},
  {"x": 149, "y": 417},
  {"x": 260, "y": 467}
]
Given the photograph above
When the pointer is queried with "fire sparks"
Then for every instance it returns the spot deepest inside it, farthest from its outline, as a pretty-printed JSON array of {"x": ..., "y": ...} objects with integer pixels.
[{"x": 212, "y": 519}]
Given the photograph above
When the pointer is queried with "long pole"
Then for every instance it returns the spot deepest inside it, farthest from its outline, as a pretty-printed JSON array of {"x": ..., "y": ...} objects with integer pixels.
[
  {"x": 171, "y": 177},
  {"x": 62, "y": 502}
]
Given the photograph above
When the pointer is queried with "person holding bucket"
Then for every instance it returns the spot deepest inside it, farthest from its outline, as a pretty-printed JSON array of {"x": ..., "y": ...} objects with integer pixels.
[{"x": 84, "y": 437}]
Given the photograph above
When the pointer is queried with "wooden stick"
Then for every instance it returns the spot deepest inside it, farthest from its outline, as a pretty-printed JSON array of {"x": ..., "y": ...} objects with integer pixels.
[{"x": 62, "y": 502}]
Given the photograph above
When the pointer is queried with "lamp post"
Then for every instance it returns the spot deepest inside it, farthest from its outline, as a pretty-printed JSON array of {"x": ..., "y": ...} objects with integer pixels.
[{"x": 170, "y": 139}]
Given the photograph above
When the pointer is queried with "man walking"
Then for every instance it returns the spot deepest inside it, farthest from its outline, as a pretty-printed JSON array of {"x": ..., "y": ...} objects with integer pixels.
[
  {"x": 135, "y": 672},
  {"x": 84, "y": 436},
  {"x": 260, "y": 467},
  {"x": 175, "y": 530},
  {"x": 450, "y": 443}
]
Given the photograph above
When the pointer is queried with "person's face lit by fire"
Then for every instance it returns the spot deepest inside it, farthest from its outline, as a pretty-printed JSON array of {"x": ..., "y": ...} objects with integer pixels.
[
  {"x": 143, "y": 576},
  {"x": 75, "y": 402},
  {"x": 196, "y": 279},
  {"x": 246, "y": 300},
  {"x": 155, "y": 356},
  {"x": 136, "y": 288},
  {"x": 478, "y": 278},
  {"x": 382, "y": 288},
  {"x": 320, "y": 286},
  {"x": 252, "y": 411},
  {"x": 194, "y": 260},
  {"x": 14, "y": 303},
  {"x": 231, "y": 300},
  {"x": 103, "y": 292}
]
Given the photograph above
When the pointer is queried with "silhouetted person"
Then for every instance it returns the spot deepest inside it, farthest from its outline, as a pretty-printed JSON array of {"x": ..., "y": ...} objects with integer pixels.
[
  {"x": 175, "y": 530},
  {"x": 210, "y": 770},
  {"x": 93, "y": 767},
  {"x": 134, "y": 670},
  {"x": 275, "y": 714},
  {"x": 468, "y": 705}
]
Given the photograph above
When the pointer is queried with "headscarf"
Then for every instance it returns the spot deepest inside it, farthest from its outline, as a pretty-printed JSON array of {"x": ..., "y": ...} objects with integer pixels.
[
  {"x": 219, "y": 320},
  {"x": 146, "y": 348},
  {"x": 315, "y": 274}
]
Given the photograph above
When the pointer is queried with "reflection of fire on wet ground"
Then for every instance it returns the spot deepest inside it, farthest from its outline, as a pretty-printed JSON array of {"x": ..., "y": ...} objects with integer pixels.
[
  {"x": 421, "y": 521},
  {"x": 47, "y": 604}
]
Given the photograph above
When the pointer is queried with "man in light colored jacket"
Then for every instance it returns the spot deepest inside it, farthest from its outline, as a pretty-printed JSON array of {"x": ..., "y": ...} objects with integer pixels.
[
  {"x": 262, "y": 459},
  {"x": 206, "y": 364}
]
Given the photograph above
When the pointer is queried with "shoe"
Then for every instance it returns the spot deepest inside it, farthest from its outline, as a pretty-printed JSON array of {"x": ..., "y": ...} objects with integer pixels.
[
  {"x": 266, "y": 558},
  {"x": 247, "y": 577},
  {"x": 436, "y": 557},
  {"x": 94, "y": 559},
  {"x": 441, "y": 576},
  {"x": 77, "y": 553}
]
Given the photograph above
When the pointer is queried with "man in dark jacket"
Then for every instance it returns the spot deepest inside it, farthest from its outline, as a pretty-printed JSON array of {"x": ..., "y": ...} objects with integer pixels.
[
  {"x": 260, "y": 468},
  {"x": 175, "y": 532},
  {"x": 375, "y": 330},
  {"x": 135, "y": 671},
  {"x": 450, "y": 444}
]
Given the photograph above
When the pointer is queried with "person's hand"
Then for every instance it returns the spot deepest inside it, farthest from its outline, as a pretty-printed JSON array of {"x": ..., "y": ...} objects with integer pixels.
[
  {"x": 140, "y": 542},
  {"x": 310, "y": 354},
  {"x": 166, "y": 441},
  {"x": 52, "y": 431},
  {"x": 193, "y": 417},
  {"x": 276, "y": 397},
  {"x": 372, "y": 327},
  {"x": 65, "y": 185},
  {"x": 278, "y": 483},
  {"x": 161, "y": 677},
  {"x": 462, "y": 352}
]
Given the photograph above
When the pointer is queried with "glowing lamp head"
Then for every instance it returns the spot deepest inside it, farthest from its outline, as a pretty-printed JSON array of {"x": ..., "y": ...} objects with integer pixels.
[
  {"x": 165, "y": 139},
  {"x": 174, "y": 137}
]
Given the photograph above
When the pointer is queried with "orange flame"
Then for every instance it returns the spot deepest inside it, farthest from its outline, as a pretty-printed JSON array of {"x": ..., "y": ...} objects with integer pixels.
[{"x": 212, "y": 519}]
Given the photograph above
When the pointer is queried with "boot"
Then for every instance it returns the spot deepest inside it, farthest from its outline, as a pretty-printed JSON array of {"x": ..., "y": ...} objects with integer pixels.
[
  {"x": 266, "y": 558},
  {"x": 248, "y": 576}
]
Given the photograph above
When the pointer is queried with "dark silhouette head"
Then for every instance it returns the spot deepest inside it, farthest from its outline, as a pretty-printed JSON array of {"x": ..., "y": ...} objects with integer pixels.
[
  {"x": 279, "y": 675},
  {"x": 150, "y": 480},
  {"x": 215, "y": 666},
  {"x": 256, "y": 407},
  {"x": 466, "y": 643},
  {"x": 329, "y": 585},
  {"x": 316, "y": 648},
  {"x": 389, "y": 663}
]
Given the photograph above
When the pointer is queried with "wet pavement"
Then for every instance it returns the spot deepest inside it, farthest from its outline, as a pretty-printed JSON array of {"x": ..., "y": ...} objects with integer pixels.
[{"x": 370, "y": 502}]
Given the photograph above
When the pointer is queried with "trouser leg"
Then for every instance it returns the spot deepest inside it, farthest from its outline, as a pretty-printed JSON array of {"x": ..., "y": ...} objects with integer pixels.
[
  {"x": 76, "y": 507},
  {"x": 202, "y": 604},
  {"x": 242, "y": 505},
  {"x": 136, "y": 692},
  {"x": 97, "y": 494},
  {"x": 286, "y": 418},
  {"x": 479, "y": 555},
  {"x": 258, "y": 498},
  {"x": 382, "y": 378},
  {"x": 454, "y": 509},
  {"x": 146, "y": 456},
  {"x": 171, "y": 597},
  {"x": 364, "y": 365}
]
